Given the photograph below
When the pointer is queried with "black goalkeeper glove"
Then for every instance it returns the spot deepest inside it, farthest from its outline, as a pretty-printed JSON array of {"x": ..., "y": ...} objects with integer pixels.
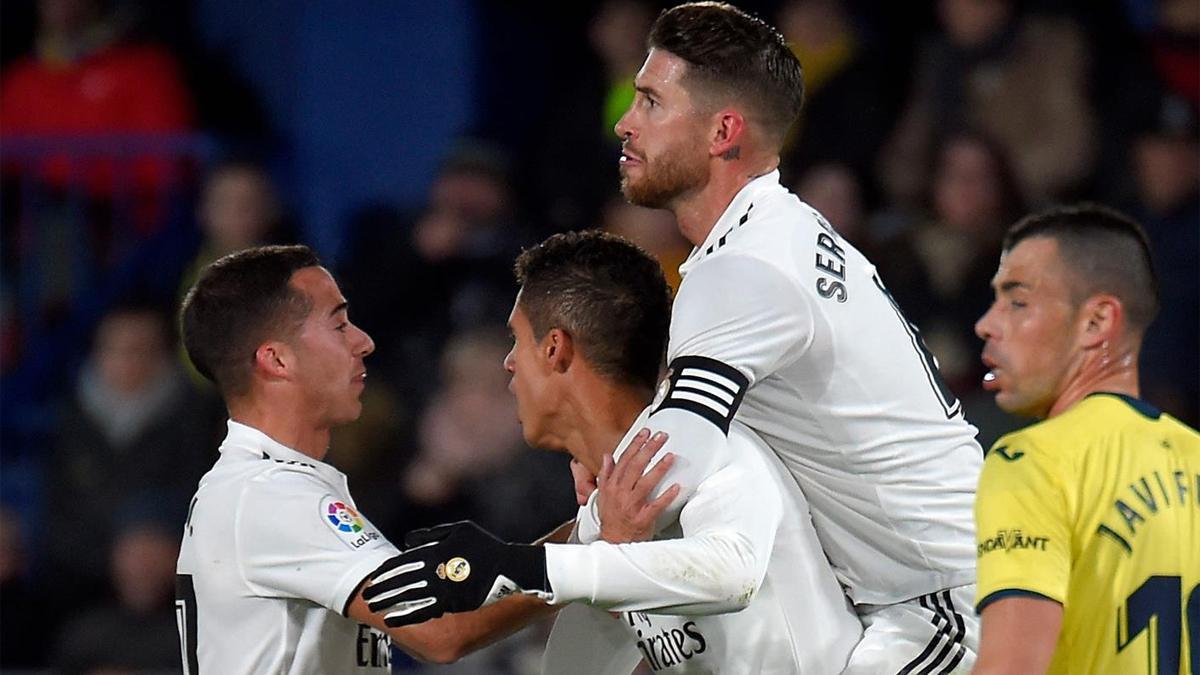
[{"x": 456, "y": 567}]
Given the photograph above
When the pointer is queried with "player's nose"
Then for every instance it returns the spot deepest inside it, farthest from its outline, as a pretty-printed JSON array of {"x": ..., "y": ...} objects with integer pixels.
[
  {"x": 366, "y": 344},
  {"x": 622, "y": 128},
  {"x": 983, "y": 327}
]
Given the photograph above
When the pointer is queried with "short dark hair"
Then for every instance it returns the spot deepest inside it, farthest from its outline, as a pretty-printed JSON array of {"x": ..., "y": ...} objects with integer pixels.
[
  {"x": 239, "y": 302},
  {"x": 607, "y": 293},
  {"x": 1105, "y": 251},
  {"x": 735, "y": 56}
]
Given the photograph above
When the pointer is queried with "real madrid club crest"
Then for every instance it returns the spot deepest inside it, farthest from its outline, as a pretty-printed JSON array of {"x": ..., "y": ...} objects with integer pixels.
[
  {"x": 664, "y": 387},
  {"x": 454, "y": 569}
]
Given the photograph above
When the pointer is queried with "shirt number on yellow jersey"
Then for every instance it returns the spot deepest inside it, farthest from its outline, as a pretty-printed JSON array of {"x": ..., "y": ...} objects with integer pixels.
[{"x": 1161, "y": 597}]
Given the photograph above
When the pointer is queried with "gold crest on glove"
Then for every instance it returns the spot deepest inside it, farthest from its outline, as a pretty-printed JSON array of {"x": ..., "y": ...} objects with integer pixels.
[{"x": 454, "y": 569}]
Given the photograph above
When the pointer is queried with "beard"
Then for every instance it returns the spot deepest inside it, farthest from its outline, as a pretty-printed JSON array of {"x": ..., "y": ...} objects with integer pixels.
[{"x": 665, "y": 178}]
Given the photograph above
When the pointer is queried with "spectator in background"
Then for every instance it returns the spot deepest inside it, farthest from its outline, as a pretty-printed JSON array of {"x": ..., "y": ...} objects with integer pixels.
[
  {"x": 1166, "y": 168},
  {"x": 482, "y": 470},
  {"x": 1174, "y": 46},
  {"x": 579, "y": 153},
  {"x": 836, "y": 191},
  {"x": 84, "y": 80},
  {"x": 1142, "y": 50},
  {"x": 79, "y": 209},
  {"x": 417, "y": 281},
  {"x": 653, "y": 230},
  {"x": 135, "y": 631},
  {"x": 1020, "y": 79},
  {"x": 134, "y": 427},
  {"x": 850, "y": 102},
  {"x": 239, "y": 208},
  {"x": 940, "y": 268}
]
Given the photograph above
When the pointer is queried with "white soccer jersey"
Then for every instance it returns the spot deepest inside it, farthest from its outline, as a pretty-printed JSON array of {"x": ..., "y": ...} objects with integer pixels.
[
  {"x": 272, "y": 552},
  {"x": 679, "y": 596},
  {"x": 782, "y": 323}
]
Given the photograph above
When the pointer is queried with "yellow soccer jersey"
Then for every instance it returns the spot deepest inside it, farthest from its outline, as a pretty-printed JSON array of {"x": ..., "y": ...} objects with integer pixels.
[{"x": 1099, "y": 509}]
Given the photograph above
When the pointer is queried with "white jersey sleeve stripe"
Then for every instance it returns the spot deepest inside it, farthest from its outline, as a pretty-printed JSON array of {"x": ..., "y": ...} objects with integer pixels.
[
  {"x": 683, "y": 394},
  {"x": 727, "y": 384},
  {"x": 707, "y": 389}
]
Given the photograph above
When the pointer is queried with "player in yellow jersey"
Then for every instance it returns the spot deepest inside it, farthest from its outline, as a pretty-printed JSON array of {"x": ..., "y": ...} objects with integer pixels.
[{"x": 1088, "y": 522}]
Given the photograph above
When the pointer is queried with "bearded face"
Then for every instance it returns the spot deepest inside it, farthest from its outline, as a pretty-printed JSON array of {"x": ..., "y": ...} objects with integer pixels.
[
  {"x": 659, "y": 179},
  {"x": 663, "y": 136}
]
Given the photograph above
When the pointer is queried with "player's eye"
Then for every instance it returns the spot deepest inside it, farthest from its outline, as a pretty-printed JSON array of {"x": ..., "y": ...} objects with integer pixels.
[{"x": 341, "y": 327}]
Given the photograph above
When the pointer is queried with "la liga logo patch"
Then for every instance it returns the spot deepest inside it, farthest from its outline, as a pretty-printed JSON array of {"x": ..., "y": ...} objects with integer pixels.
[
  {"x": 346, "y": 523},
  {"x": 344, "y": 518}
]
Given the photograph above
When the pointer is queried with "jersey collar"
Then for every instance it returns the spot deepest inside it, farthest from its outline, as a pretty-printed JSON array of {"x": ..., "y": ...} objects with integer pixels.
[
  {"x": 740, "y": 206},
  {"x": 250, "y": 443},
  {"x": 1142, "y": 407}
]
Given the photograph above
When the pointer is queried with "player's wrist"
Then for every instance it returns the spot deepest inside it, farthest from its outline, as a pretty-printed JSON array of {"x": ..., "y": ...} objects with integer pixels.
[{"x": 525, "y": 564}]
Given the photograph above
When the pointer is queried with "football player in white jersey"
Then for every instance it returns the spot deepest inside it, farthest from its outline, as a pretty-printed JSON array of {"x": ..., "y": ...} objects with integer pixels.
[
  {"x": 274, "y": 551},
  {"x": 783, "y": 326},
  {"x": 734, "y": 583}
]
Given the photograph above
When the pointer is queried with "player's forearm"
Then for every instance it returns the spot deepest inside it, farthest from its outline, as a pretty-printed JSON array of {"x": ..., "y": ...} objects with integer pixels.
[
  {"x": 710, "y": 574},
  {"x": 727, "y": 528},
  {"x": 453, "y": 636},
  {"x": 449, "y": 638}
]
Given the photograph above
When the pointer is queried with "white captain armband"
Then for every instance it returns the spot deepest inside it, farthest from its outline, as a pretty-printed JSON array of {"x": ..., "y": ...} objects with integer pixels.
[{"x": 704, "y": 386}]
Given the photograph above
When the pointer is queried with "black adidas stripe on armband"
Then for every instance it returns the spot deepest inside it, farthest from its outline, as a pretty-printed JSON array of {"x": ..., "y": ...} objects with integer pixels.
[{"x": 706, "y": 387}]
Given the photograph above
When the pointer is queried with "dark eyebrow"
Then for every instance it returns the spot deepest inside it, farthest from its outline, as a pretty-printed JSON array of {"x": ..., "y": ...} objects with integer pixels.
[
  {"x": 340, "y": 308},
  {"x": 649, "y": 91},
  {"x": 1012, "y": 285}
]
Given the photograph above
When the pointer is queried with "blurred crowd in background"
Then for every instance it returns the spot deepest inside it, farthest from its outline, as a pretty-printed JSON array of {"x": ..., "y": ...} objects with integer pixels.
[{"x": 136, "y": 148}]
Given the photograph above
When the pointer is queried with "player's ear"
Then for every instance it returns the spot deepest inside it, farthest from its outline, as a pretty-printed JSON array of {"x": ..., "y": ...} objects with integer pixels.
[
  {"x": 274, "y": 360},
  {"x": 558, "y": 349},
  {"x": 1102, "y": 318},
  {"x": 728, "y": 134}
]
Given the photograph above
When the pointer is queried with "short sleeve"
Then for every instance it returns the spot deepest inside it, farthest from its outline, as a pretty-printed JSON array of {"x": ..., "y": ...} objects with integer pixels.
[
  {"x": 742, "y": 312},
  {"x": 297, "y": 539},
  {"x": 1022, "y": 526}
]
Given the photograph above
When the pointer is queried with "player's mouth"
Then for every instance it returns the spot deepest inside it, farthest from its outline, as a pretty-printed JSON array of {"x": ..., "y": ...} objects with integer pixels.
[
  {"x": 360, "y": 378},
  {"x": 629, "y": 159}
]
